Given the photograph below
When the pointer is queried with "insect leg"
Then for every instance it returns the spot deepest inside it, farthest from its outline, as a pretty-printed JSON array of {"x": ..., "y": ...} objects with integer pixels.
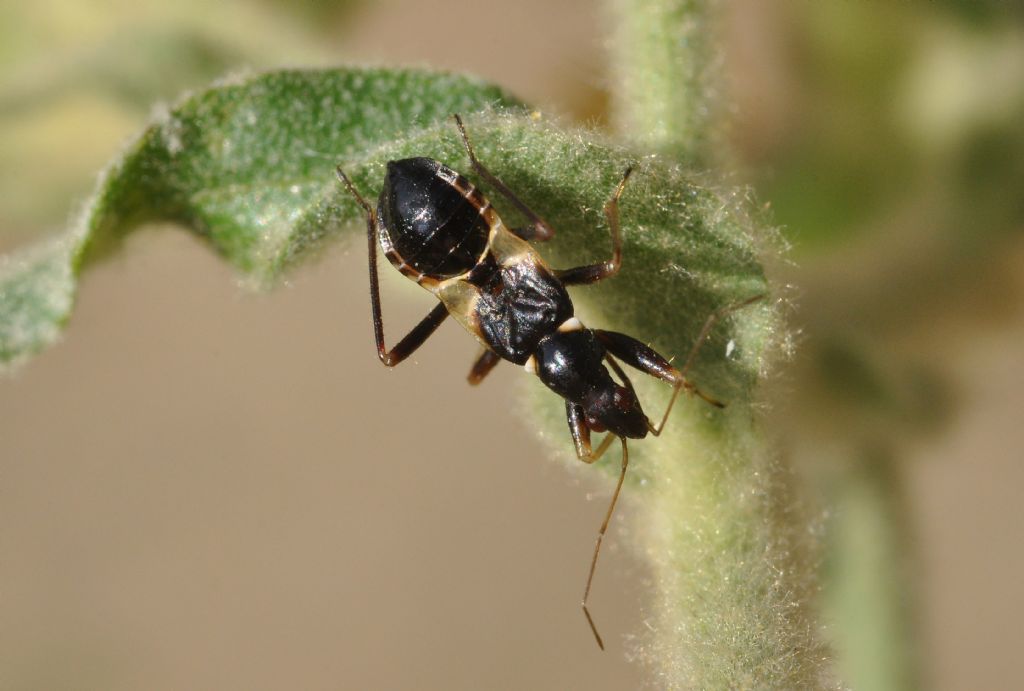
[
  {"x": 644, "y": 358},
  {"x": 647, "y": 360},
  {"x": 592, "y": 273},
  {"x": 705, "y": 330},
  {"x": 483, "y": 365},
  {"x": 419, "y": 333},
  {"x": 581, "y": 437},
  {"x": 538, "y": 228},
  {"x": 581, "y": 434}
]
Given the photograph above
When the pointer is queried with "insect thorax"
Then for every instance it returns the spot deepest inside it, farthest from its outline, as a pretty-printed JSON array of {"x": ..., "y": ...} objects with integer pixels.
[{"x": 510, "y": 300}]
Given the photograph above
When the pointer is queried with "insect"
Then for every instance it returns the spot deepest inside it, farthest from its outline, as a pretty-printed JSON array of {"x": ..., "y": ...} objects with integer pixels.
[{"x": 439, "y": 230}]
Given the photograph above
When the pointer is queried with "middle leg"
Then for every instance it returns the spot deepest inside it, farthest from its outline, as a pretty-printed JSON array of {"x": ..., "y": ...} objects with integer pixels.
[
  {"x": 592, "y": 273},
  {"x": 644, "y": 358},
  {"x": 581, "y": 437}
]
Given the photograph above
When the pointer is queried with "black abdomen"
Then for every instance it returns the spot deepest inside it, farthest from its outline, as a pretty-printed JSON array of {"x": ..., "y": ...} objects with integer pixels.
[{"x": 431, "y": 219}]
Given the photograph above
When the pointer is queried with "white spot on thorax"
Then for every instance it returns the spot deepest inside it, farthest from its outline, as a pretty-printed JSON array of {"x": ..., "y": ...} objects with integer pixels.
[
  {"x": 570, "y": 324},
  {"x": 531, "y": 365}
]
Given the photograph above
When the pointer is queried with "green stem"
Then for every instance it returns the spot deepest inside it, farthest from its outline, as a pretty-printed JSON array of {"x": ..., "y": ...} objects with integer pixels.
[
  {"x": 733, "y": 579},
  {"x": 663, "y": 65}
]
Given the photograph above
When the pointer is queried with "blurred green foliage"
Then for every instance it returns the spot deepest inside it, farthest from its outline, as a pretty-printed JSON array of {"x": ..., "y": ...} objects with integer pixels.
[
  {"x": 896, "y": 173},
  {"x": 78, "y": 79},
  {"x": 899, "y": 180},
  {"x": 900, "y": 105},
  {"x": 983, "y": 13}
]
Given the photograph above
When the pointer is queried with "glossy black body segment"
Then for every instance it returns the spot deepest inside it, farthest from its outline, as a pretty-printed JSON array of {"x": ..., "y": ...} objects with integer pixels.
[
  {"x": 519, "y": 304},
  {"x": 427, "y": 222},
  {"x": 572, "y": 364}
]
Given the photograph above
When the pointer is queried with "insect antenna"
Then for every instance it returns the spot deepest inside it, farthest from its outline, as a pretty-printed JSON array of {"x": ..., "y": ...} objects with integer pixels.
[
  {"x": 709, "y": 324},
  {"x": 702, "y": 337},
  {"x": 600, "y": 539}
]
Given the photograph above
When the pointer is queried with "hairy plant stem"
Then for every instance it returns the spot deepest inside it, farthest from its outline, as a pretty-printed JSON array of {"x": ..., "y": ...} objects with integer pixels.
[
  {"x": 733, "y": 574},
  {"x": 733, "y": 581},
  {"x": 663, "y": 64}
]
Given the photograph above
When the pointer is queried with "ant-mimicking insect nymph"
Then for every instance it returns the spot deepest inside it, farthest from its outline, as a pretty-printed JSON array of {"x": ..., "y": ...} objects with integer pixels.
[{"x": 438, "y": 229}]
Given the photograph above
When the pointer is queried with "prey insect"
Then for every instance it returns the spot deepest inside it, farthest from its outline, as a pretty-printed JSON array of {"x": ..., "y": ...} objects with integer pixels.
[{"x": 439, "y": 230}]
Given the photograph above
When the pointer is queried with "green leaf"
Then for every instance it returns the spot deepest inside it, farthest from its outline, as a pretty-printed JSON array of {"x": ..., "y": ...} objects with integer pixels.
[
  {"x": 238, "y": 163},
  {"x": 249, "y": 166},
  {"x": 688, "y": 248}
]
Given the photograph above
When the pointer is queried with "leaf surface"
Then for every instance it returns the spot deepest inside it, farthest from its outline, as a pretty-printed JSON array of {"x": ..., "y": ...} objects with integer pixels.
[{"x": 237, "y": 163}]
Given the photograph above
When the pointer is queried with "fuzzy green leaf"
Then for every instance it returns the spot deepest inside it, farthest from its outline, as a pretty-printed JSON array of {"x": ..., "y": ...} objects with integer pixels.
[
  {"x": 238, "y": 163},
  {"x": 250, "y": 165},
  {"x": 688, "y": 248}
]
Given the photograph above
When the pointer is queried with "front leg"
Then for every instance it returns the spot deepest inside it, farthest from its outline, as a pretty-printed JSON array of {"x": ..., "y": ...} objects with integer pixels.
[
  {"x": 581, "y": 437},
  {"x": 644, "y": 358},
  {"x": 581, "y": 434},
  {"x": 647, "y": 360}
]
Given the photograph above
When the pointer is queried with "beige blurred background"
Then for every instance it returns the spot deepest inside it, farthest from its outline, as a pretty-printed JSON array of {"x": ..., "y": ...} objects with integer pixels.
[{"x": 207, "y": 489}]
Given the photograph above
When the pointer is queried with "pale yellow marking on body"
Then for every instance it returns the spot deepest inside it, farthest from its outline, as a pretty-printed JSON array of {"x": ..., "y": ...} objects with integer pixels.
[
  {"x": 460, "y": 296},
  {"x": 530, "y": 365},
  {"x": 509, "y": 249},
  {"x": 570, "y": 324}
]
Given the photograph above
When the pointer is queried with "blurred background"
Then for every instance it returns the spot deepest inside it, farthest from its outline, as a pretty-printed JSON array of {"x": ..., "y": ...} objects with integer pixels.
[{"x": 206, "y": 488}]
